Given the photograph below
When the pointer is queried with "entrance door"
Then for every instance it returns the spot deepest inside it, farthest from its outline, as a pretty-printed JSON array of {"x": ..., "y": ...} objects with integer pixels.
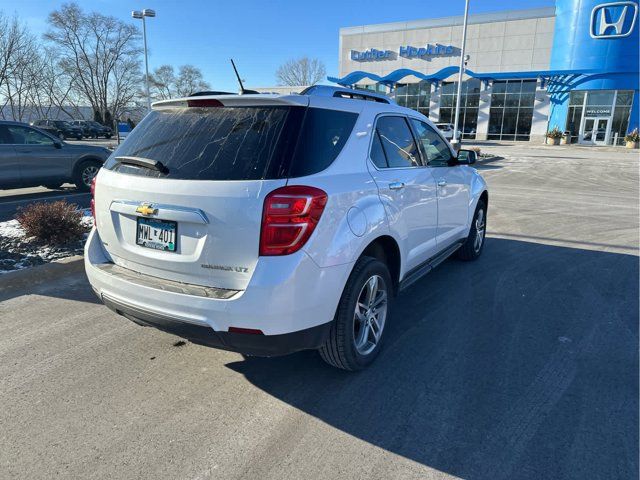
[{"x": 595, "y": 131}]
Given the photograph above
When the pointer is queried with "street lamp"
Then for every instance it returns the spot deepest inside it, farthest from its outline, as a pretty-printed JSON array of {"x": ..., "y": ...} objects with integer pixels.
[
  {"x": 140, "y": 15},
  {"x": 463, "y": 61}
]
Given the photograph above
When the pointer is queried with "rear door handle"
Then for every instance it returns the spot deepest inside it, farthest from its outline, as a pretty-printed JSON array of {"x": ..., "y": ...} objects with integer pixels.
[
  {"x": 396, "y": 186},
  {"x": 442, "y": 182}
]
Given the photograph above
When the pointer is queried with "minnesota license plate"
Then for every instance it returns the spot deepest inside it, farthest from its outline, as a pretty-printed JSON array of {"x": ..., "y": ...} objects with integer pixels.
[{"x": 156, "y": 234}]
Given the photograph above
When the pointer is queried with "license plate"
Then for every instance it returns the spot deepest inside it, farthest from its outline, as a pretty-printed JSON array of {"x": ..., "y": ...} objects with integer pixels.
[{"x": 156, "y": 234}]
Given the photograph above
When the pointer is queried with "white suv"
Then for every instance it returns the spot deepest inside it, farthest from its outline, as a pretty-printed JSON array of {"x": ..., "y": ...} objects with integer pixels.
[{"x": 268, "y": 224}]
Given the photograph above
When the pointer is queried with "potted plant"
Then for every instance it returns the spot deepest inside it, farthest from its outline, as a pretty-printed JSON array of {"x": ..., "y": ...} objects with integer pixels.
[
  {"x": 553, "y": 136},
  {"x": 632, "y": 139}
]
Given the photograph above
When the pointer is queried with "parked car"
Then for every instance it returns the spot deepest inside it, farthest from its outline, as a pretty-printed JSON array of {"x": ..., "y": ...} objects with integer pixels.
[
  {"x": 446, "y": 129},
  {"x": 59, "y": 128},
  {"x": 88, "y": 130},
  {"x": 93, "y": 129},
  {"x": 281, "y": 224},
  {"x": 30, "y": 157}
]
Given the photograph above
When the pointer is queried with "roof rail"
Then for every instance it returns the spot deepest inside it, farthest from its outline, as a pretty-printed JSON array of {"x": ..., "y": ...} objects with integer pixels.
[{"x": 341, "y": 92}]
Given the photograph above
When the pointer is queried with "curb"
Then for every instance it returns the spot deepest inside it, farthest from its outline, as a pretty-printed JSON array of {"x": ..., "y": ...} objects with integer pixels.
[{"x": 30, "y": 277}]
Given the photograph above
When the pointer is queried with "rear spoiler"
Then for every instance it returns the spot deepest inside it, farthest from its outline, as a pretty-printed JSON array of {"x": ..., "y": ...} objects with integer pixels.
[{"x": 259, "y": 100}]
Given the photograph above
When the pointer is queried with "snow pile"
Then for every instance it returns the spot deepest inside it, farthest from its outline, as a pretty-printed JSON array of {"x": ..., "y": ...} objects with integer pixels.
[
  {"x": 11, "y": 229},
  {"x": 18, "y": 252}
]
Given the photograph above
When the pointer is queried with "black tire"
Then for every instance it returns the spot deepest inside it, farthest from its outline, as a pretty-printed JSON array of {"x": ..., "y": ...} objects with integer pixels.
[
  {"x": 81, "y": 174},
  {"x": 339, "y": 349},
  {"x": 470, "y": 249}
]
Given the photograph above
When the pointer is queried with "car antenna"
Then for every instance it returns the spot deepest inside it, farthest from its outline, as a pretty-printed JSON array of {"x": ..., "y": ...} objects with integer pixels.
[{"x": 243, "y": 91}]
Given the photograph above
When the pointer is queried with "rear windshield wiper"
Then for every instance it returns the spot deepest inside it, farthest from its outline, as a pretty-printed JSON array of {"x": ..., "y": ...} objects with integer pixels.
[{"x": 144, "y": 162}]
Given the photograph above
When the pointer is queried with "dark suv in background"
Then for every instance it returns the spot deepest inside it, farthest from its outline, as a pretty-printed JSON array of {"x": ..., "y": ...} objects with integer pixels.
[
  {"x": 30, "y": 157},
  {"x": 59, "y": 128},
  {"x": 93, "y": 129}
]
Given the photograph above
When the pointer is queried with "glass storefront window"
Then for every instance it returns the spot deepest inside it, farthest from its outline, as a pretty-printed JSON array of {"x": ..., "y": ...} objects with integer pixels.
[
  {"x": 609, "y": 107},
  {"x": 577, "y": 98},
  {"x": 619, "y": 125},
  {"x": 414, "y": 95},
  {"x": 597, "y": 99},
  {"x": 511, "y": 111},
  {"x": 624, "y": 98},
  {"x": 573, "y": 121},
  {"x": 512, "y": 101},
  {"x": 469, "y": 102},
  {"x": 514, "y": 87}
]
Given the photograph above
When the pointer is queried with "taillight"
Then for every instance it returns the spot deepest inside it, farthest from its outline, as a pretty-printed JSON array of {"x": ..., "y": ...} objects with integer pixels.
[
  {"x": 289, "y": 217},
  {"x": 93, "y": 202}
]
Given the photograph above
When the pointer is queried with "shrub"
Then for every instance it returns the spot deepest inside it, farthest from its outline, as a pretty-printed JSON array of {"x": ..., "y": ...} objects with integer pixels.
[
  {"x": 633, "y": 136},
  {"x": 554, "y": 133},
  {"x": 55, "y": 223}
]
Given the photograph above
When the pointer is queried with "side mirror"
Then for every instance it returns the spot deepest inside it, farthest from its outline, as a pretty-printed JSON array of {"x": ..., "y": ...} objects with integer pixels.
[
  {"x": 57, "y": 144},
  {"x": 467, "y": 157}
]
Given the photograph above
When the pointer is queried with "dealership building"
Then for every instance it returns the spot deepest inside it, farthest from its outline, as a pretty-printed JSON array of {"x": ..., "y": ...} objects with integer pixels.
[{"x": 573, "y": 66}]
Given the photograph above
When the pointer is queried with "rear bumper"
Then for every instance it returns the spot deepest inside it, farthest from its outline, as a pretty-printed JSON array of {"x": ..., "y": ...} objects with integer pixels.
[
  {"x": 290, "y": 299},
  {"x": 248, "y": 344}
]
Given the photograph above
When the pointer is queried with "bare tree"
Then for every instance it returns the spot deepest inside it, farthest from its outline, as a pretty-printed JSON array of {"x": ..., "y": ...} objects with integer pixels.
[
  {"x": 302, "y": 71},
  {"x": 163, "y": 82},
  {"x": 100, "y": 54},
  {"x": 190, "y": 80},
  {"x": 54, "y": 88},
  {"x": 18, "y": 53}
]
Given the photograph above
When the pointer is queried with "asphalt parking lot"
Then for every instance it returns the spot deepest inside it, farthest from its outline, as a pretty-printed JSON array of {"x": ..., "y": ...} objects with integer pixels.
[{"x": 522, "y": 365}]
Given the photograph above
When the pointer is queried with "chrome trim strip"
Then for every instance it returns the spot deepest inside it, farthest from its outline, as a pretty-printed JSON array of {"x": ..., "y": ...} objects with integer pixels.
[
  {"x": 165, "y": 211},
  {"x": 165, "y": 285}
]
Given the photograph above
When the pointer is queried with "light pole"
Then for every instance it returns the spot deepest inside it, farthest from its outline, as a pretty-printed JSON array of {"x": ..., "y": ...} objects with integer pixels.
[
  {"x": 140, "y": 15},
  {"x": 456, "y": 140}
]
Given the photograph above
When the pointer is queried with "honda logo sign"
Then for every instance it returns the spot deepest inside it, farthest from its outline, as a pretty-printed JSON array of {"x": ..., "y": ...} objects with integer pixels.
[{"x": 613, "y": 20}]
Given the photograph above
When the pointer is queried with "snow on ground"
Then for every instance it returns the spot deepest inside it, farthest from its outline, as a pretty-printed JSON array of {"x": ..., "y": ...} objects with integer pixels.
[
  {"x": 18, "y": 252},
  {"x": 11, "y": 229}
]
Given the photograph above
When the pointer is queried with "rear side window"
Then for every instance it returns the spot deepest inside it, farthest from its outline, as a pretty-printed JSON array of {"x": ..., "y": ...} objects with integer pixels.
[
  {"x": 322, "y": 138},
  {"x": 206, "y": 143},
  {"x": 397, "y": 142}
]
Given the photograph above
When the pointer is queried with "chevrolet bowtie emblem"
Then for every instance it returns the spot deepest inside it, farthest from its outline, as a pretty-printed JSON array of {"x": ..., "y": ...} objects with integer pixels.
[{"x": 146, "y": 210}]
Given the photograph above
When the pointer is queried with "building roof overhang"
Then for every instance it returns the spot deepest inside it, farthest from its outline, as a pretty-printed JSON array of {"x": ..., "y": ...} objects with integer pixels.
[{"x": 397, "y": 75}]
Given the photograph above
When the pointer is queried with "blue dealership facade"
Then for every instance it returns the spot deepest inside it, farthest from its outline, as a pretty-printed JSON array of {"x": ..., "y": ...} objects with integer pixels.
[{"x": 573, "y": 66}]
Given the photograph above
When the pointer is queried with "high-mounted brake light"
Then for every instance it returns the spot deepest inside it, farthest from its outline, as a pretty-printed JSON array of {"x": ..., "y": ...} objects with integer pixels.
[
  {"x": 208, "y": 102},
  {"x": 93, "y": 202},
  {"x": 289, "y": 217}
]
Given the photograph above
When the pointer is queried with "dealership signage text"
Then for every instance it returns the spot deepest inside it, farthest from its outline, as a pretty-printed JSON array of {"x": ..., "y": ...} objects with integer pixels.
[{"x": 406, "y": 51}]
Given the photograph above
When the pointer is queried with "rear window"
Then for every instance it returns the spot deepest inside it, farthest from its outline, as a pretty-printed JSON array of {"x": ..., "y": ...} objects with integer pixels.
[{"x": 236, "y": 143}]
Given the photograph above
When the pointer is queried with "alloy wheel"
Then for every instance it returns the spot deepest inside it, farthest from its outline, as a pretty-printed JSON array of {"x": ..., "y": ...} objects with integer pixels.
[
  {"x": 88, "y": 173},
  {"x": 480, "y": 227},
  {"x": 370, "y": 315}
]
